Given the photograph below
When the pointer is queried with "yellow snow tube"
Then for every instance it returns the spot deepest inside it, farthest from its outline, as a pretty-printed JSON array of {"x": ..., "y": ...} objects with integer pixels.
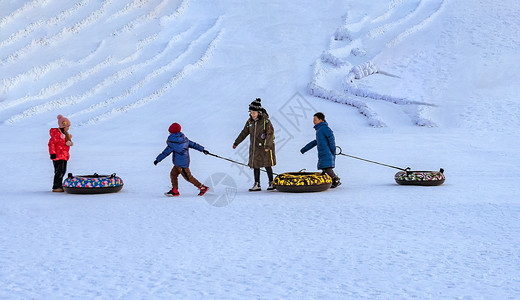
[{"x": 302, "y": 182}]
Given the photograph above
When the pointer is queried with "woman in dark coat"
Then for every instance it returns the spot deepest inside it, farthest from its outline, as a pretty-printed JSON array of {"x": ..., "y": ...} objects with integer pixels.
[{"x": 261, "y": 148}]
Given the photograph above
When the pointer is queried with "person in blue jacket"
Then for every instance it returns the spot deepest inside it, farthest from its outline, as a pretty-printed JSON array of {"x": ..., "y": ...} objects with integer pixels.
[
  {"x": 178, "y": 144},
  {"x": 326, "y": 147}
]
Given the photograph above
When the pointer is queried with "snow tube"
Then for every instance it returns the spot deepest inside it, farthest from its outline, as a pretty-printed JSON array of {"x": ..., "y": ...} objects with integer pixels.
[
  {"x": 92, "y": 184},
  {"x": 302, "y": 182},
  {"x": 427, "y": 178}
]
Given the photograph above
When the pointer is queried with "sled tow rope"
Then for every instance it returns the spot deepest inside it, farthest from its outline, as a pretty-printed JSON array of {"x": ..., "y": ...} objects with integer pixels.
[
  {"x": 236, "y": 162},
  {"x": 370, "y": 161}
]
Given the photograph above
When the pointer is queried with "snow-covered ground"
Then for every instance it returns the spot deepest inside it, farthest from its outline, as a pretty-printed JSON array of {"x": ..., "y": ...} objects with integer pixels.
[{"x": 414, "y": 83}]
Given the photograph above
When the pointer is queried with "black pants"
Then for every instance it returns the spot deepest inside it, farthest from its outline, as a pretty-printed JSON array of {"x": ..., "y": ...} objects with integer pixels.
[
  {"x": 269, "y": 174},
  {"x": 330, "y": 172},
  {"x": 60, "y": 168}
]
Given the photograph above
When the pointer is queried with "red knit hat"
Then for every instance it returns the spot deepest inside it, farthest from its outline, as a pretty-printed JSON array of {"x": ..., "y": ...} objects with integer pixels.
[{"x": 174, "y": 128}]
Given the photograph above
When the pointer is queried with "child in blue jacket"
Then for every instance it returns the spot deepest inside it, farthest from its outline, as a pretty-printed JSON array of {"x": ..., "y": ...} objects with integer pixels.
[
  {"x": 179, "y": 144},
  {"x": 326, "y": 147}
]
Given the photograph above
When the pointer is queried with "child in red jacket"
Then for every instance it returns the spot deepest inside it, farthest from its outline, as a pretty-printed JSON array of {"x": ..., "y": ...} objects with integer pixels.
[{"x": 59, "y": 145}]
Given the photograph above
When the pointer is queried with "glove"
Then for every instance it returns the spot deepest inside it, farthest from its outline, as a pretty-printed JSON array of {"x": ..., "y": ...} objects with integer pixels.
[
  {"x": 155, "y": 162},
  {"x": 53, "y": 156},
  {"x": 205, "y": 152},
  {"x": 234, "y": 146}
]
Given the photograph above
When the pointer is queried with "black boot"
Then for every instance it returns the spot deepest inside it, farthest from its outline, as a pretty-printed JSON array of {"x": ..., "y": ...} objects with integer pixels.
[{"x": 335, "y": 183}]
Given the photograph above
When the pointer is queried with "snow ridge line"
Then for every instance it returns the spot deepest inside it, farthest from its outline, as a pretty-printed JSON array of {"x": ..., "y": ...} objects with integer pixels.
[
  {"x": 330, "y": 58},
  {"x": 155, "y": 13},
  {"x": 368, "y": 69},
  {"x": 33, "y": 74},
  {"x": 147, "y": 17},
  {"x": 376, "y": 32},
  {"x": 136, "y": 4},
  {"x": 71, "y": 100},
  {"x": 40, "y": 71},
  {"x": 318, "y": 91},
  {"x": 186, "y": 71},
  {"x": 66, "y": 14},
  {"x": 391, "y": 9},
  {"x": 47, "y": 41},
  {"x": 338, "y": 58},
  {"x": 315, "y": 89},
  {"x": 141, "y": 44},
  {"x": 419, "y": 26},
  {"x": 178, "y": 12},
  {"x": 20, "y": 34},
  {"x": 61, "y": 86},
  {"x": 148, "y": 78},
  {"x": 365, "y": 70},
  {"x": 25, "y": 32},
  {"x": 27, "y": 6}
]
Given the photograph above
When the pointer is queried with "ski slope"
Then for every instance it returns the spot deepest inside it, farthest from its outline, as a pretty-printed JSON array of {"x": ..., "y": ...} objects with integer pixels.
[{"x": 413, "y": 83}]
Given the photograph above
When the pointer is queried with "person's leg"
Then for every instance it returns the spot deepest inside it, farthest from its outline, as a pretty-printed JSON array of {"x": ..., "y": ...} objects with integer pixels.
[
  {"x": 174, "y": 176},
  {"x": 335, "y": 179},
  {"x": 256, "y": 172},
  {"x": 330, "y": 172},
  {"x": 269, "y": 173},
  {"x": 186, "y": 173},
  {"x": 270, "y": 176},
  {"x": 256, "y": 186},
  {"x": 60, "y": 168}
]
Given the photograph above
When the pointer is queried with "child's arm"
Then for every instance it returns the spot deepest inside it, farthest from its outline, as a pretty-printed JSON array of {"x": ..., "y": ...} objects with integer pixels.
[
  {"x": 309, "y": 146},
  {"x": 52, "y": 147},
  {"x": 167, "y": 151},
  {"x": 196, "y": 146}
]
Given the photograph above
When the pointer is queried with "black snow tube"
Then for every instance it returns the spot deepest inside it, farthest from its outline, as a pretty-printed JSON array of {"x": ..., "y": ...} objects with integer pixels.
[
  {"x": 92, "y": 184},
  {"x": 425, "y": 178},
  {"x": 302, "y": 182}
]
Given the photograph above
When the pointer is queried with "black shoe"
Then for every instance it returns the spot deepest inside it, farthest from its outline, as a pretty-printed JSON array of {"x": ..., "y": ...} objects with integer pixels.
[
  {"x": 335, "y": 183},
  {"x": 271, "y": 186},
  {"x": 256, "y": 187}
]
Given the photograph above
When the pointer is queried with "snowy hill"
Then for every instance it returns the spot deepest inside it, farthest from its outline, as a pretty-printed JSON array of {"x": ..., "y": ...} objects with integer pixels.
[{"x": 414, "y": 83}]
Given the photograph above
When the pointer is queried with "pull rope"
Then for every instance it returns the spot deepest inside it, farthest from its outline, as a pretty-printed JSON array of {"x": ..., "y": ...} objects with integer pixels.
[
  {"x": 370, "y": 161},
  {"x": 236, "y": 162}
]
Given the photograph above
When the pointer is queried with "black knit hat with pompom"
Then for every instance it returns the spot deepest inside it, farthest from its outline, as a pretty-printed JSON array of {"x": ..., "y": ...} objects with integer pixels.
[{"x": 256, "y": 105}]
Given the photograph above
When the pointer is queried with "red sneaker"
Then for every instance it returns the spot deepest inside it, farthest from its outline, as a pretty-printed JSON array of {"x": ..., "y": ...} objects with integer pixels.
[
  {"x": 172, "y": 193},
  {"x": 203, "y": 189}
]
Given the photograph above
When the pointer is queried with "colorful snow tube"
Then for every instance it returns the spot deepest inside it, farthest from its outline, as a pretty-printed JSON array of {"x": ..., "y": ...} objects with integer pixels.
[
  {"x": 426, "y": 178},
  {"x": 302, "y": 182},
  {"x": 92, "y": 184}
]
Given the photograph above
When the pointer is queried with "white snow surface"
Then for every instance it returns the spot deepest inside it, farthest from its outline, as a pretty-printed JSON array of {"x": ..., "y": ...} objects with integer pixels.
[{"x": 412, "y": 83}]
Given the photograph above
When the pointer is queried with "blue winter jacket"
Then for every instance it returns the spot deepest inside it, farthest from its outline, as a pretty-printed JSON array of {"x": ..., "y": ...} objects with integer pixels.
[
  {"x": 326, "y": 146},
  {"x": 179, "y": 144}
]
